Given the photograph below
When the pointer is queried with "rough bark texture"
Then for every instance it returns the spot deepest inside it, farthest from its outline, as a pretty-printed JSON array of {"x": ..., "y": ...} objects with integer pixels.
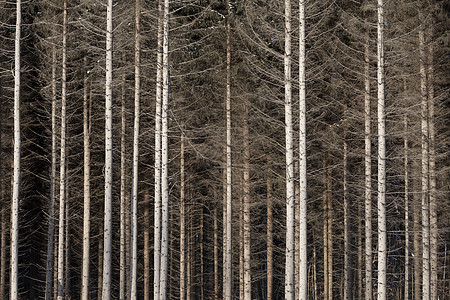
[{"x": 269, "y": 238}]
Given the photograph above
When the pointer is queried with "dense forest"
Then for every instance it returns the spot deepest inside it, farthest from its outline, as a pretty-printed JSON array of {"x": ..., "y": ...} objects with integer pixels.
[{"x": 224, "y": 149}]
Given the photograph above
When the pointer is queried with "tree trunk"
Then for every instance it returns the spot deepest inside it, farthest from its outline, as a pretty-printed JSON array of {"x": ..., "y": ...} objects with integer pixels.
[
  {"x": 100, "y": 263},
  {"x": 382, "y": 235},
  {"x": 62, "y": 163},
  {"x": 417, "y": 236},
  {"x": 146, "y": 246},
  {"x": 16, "y": 175},
  {"x": 432, "y": 172},
  {"x": 3, "y": 241},
  {"x": 303, "y": 291},
  {"x": 330, "y": 233},
  {"x": 123, "y": 201},
  {"x": 107, "y": 256},
  {"x": 165, "y": 157},
  {"x": 347, "y": 254},
  {"x": 86, "y": 189},
  {"x": 216, "y": 256},
  {"x": 269, "y": 238},
  {"x": 157, "y": 212},
  {"x": 228, "y": 238},
  {"x": 246, "y": 209},
  {"x": 183, "y": 227},
  {"x": 51, "y": 210},
  {"x": 425, "y": 173},
  {"x": 406, "y": 292},
  {"x": 326, "y": 283},
  {"x": 368, "y": 173},
  {"x": 67, "y": 268},
  {"x": 289, "y": 285},
  {"x": 135, "y": 175}
]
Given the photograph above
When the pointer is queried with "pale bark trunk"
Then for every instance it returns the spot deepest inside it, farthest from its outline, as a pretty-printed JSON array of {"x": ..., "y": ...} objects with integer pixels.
[
  {"x": 347, "y": 266},
  {"x": 303, "y": 251},
  {"x": 51, "y": 210},
  {"x": 246, "y": 210},
  {"x": 86, "y": 189},
  {"x": 432, "y": 173},
  {"x": 228, "y": 255},
  {"x": 100, "y": 263},
  {"x": 325, "y": 232},
  {"x": 67, "y": 286},
  {"x": 382, "y": 235},
  {"x": 62, "y": 164},
  {"x": 157, "y": 209},
  {"x": 297, "y": 227},
  {"x": 424, "y": 142},
  {"x": 216, "y": 256},
  {"x": 368, "y": 173},
  {"x": 417, "y": 234},
  {"x": 123, "y": 205},
  {"x": 165, "y": 157},
  {"x": 289, "y": 285},
  {"x": 224, "y": 228},
  {"x": 3, "y": 242},
  {"x": 135, "y": 175},
  {"x": 241, "y": 248},
  {"x": 107, "y": 255},
  {"x": 359, "y": 280},
  {"x": 183, "y": 227},
  {"x": 202, "y": 255},
  {"x": 146, "y": 247},
  {"x": 330, "y": 234},
  {"x": 16, "y": 173},
  {"x": 269, "y": 239},
  {"x": 406, "y": 170}
]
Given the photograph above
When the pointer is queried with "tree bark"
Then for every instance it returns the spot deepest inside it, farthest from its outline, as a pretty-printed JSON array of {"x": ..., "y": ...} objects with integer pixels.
[
  {"x": 165, "y": 157},
  {"x": 62, "y": 163},
  {"x": 269, "y": 238},
  {"x": 246, "y": 209},
  {"x": 135, "y": 175},
  {"x": 406, "y": 170},
  {"x": 330, "y": 233},
  {"x": 107, "y": 248},
  {"x": 326, "y": 283},
  {"x": 158, "y": 108},
  {"x": 347, "y": 254},
  {"x": 146, "y": 246},
  {"x": 51, "y": 210},
  {"x": 368, "y": 173},
  {"x": 228, "y": 255},
  {"x": 382, "y": 235},
  {"x": 417, "y": 234},
  {"x": 303, "y": 251},
  {"x": 86, "y": 189},
  {"x": 67, "y": 268},
  {"x": 425, "y": 173},
  {"x": 183, "y": 227},
  {"x": 289, "y": 285}
]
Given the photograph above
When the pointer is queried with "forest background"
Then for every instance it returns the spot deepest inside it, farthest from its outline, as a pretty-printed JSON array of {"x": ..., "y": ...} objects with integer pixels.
[{"x": 205, "y": 107}]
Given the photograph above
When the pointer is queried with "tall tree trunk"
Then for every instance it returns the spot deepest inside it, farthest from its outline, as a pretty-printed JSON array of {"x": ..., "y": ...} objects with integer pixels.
[
  {"x": 3, "y": 240},
  {"x": 86, "y": 188},
  {"x": 62, "y": 163},
  {"x": 146, "y": 246},
  {"x": 417, "y": 234},
  {"x": 289, "y": 285},
  {"x": 425, "y": 173},
  {"x": 330, "y": 233},
  {"x": 165, "y": 157},
  {"x": 228, "y": 237},
  {"x": 406, "y": 170},
  {"x": 123, "y": 201},
  {"x": 359, "y": 286},
  {"x": 382, "y": 235},
  {"x": 303, "y": 291},
  {"x": 67, "y": 268},
  {"x": 100, "y": 263},
  {"x": 183, "y": 227},
  {"x": 107, "y": 256},
  {"x": 347, "y": 254},
  {"x": 51, "y": 209},
  {"x": 16, "y": 173},
  {"x": 269, "y": 238},
  {"x": 158, "y": 108},
  {"x": 216, "y": 255},
  {"x": 246, "y": 209},
  {"x": 326, "y": 283},
  {"x": 368, "y": 173},
  {"x": 432, "y": 172},
  {"x": 241, "y": 248},
  {"x": 135, "y": 175}
]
